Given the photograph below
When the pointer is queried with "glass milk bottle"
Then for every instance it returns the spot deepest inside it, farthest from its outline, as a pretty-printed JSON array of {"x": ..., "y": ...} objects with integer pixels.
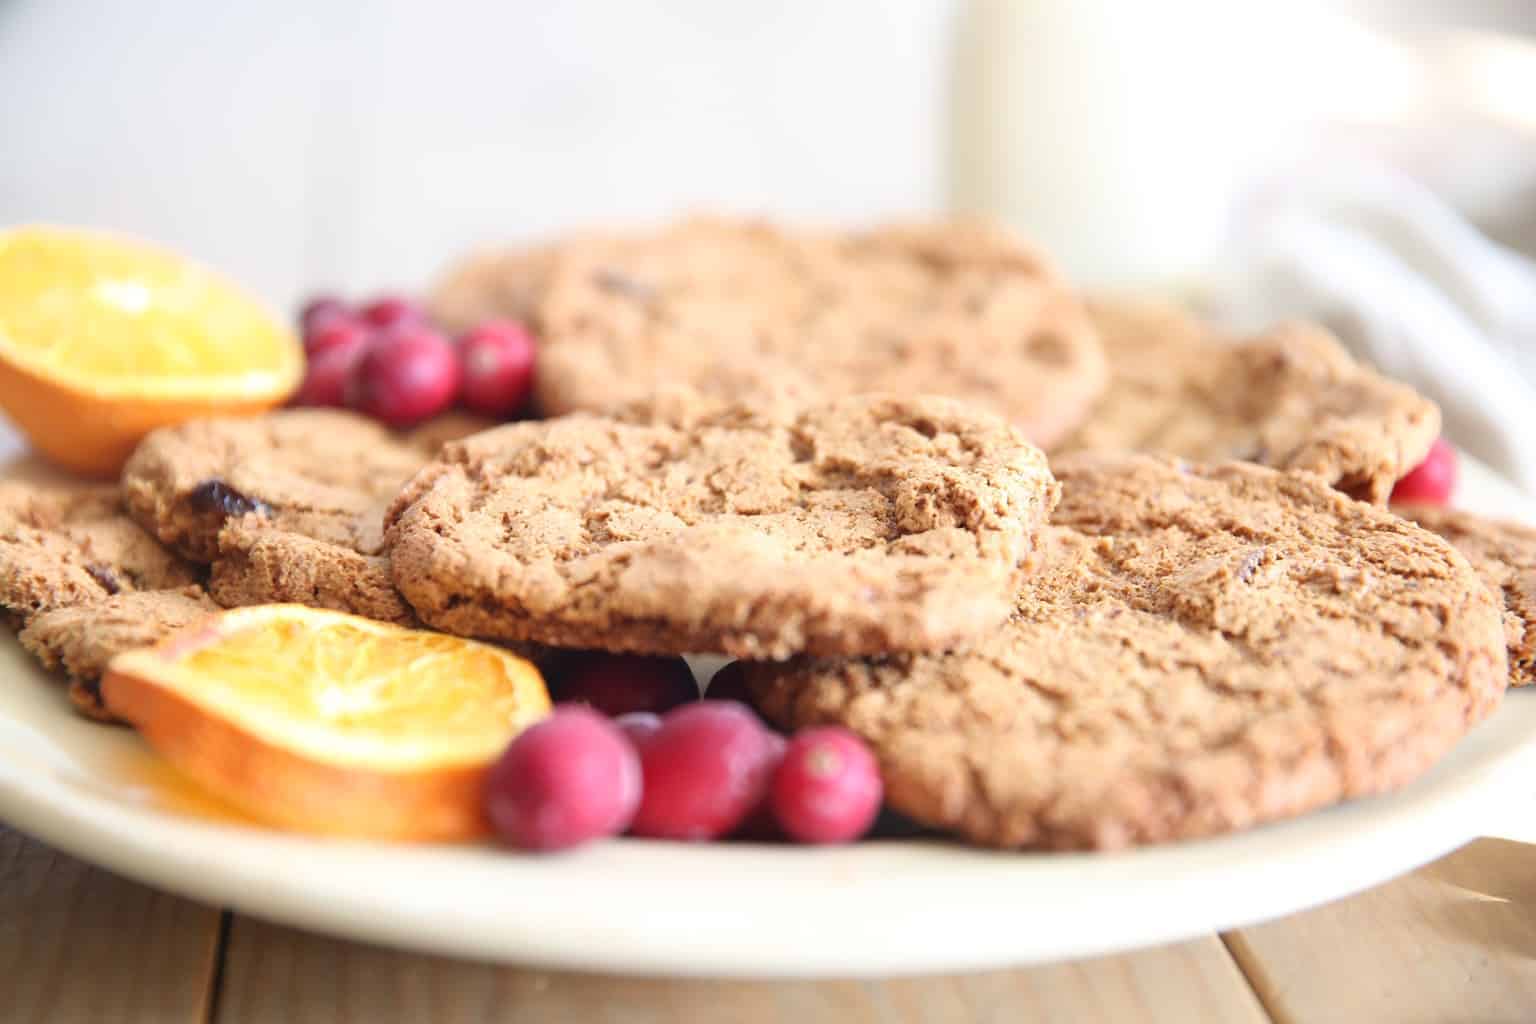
[{"x": 1105, "y": 130}]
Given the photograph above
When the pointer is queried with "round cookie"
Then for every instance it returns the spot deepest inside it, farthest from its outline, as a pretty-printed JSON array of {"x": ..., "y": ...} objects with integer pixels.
[
  {"x": 1201, "y": 649},
  {"x": 67, "y": 543},
  {"x": 1290, "y": 397},
  {"x": 739, "y": 309},
  {"x": 323, "y": 474},
  {"x": 288, "y": 507},
  {"x": 1504, "y": 555},
  {"x": 860, "y": 525}
]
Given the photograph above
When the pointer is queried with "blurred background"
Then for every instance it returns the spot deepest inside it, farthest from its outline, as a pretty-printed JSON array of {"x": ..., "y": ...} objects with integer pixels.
[{"x": 1369, "y": 164}]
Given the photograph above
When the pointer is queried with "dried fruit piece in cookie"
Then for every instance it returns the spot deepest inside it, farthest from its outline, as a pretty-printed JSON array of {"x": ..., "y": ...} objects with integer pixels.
[
  {"x": 1504, "y": 555},
  {"x": 862, "y": 525},
  {"x": 331, "y": 723},
  {"x": 82, "y": 639},
  {"x": 742, "y": 308},
  {"x": 1290, "y": 397},
  {"x": 1201, "y": 649},
  {"x": 67, "y": 543}
]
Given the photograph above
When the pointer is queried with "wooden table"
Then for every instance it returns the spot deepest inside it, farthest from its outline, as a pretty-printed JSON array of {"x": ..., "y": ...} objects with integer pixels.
[{"x": 1455, "y": 941}]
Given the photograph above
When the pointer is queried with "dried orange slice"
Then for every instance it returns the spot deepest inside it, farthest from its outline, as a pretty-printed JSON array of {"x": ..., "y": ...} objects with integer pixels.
[
  {"x": 104, "y": 338},
  {"x": 324, "y": 722}
]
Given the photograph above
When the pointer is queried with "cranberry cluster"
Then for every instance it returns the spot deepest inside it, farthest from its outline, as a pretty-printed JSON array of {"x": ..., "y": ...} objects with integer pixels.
[
  {"x": 385, "y": 359},
  {"x": 668, "y": 765}
]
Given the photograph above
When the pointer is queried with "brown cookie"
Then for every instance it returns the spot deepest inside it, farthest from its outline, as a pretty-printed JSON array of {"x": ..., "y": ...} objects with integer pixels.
[
  {"x": 860, "y": 525},
  {"x": 65, "y": 544},
  {"x": 320, "y": 473},
  {"x": 1504, "y": 555},
  {"x": 740, "y": 309},
  {"x": 1201, "y": 649},
  {"x": 490, "y": 284},
  {"x": 271, "y": 566},
  {"x": 1291, "y": 398},
  {"x": 287, "y": 506},
  {"x": 82, "y": 639}
]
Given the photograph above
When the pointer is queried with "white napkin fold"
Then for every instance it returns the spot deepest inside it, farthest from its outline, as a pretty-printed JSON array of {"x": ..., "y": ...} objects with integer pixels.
[{"x": 1409, "y": 285}]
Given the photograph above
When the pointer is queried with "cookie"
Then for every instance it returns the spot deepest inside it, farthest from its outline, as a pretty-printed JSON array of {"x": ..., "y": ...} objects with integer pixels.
[
  {"x": 450, "y": 426},
  {"x": 1291, "y": 398},
  {"x": 319, "y": 473},
  {"x": 1201, "y": 649},
  {"x": 1504, "y": 555},
  {"x": 489, "y": 284},
  {"x": 854, "y": 526},
  {"x": 742, "y": 309},
  {"x": 64, "y": 544},
  {"x": 82, "y": 639},
  {"x": 287, "y": 507},
  {"x": 268, "y": 566}
]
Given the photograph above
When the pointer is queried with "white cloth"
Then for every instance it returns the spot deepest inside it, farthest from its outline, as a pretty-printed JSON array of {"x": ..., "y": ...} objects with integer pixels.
[{"x": 1408, "y": 284}]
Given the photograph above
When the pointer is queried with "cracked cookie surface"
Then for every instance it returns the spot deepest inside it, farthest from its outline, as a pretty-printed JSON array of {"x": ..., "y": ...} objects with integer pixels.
[
  {"x": 859, "y": 525},
  {"x": 288, "y": 506},
  {"x": 1290, "y": 397},
  {"x": 66, "y": 543},
  {"x": 741, "y": 309},
  {"x": 1201, "y": 649},
  {"x": 1504, "y": 555},
  {"x": 322, "y": 474}
]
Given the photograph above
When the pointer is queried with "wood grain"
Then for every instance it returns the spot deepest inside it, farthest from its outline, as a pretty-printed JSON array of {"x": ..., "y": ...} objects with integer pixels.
[
  {"x": 78, "y": 944},
  {"x": 1455, "y": 941},
  {"x": 274, "y": 975}
]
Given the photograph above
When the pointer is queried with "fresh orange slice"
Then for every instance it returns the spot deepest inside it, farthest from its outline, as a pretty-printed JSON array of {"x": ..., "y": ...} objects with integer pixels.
[
  {"x": 324, "y": 722},
  {"x": 104, "y": 338}
]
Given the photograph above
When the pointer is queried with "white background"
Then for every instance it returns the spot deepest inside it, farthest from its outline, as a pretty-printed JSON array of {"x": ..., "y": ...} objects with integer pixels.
[
  {"x": 337, "y": 143},
  {"x": 296, "y": 144}
]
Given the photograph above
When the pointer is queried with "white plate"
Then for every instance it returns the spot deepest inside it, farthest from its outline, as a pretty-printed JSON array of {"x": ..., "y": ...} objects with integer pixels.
[{"x": 738, "y": 909}]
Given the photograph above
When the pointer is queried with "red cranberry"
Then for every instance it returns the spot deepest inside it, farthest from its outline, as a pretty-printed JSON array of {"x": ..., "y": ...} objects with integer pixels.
[
  {"x": 827, "y": 788},
  {"x": 617, "y": 684},
  {"x": 405, "y": 378},
  {"x": 571, "y": 778},
  {"x": 761, "y": 823},
  {"x": 1431, "y": 481},
  {"x": 705, "y": 770},
  {"x": 392, "y": 311},
  {"x": 333, "y": 332},
  {"x": 498, "y": 368},
  {"x": 320, "y": 309},
  {"x": 638, "y": 726},
  {"x": 328, "y": 371},
  {"x": 730, "y": 683}
]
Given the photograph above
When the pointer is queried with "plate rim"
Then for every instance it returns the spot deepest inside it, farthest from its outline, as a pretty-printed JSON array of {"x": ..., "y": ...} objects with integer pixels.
[{"x": 700, "y": 925}]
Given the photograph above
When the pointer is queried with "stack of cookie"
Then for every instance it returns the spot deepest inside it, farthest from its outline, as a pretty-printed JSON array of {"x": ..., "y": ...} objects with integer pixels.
[
  {"x": 822, "y": 453},
  {"x": 1213, "y": 631},
  {"x": 211, "y": 513}
]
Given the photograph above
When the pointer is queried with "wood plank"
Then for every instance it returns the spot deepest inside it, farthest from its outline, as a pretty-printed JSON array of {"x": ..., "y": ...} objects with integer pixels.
[
  {"x": 275, "y": 975},
  {"x": 79, "y": 944},
  {"x": 1455, "y": 940}
]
